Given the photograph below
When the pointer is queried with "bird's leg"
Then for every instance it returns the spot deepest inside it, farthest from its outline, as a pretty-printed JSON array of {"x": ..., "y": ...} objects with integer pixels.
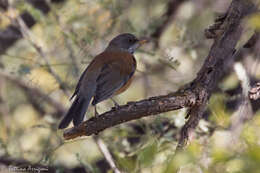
[
  {"x": 96, "y": 112},
  {"x": 116, "y": 105}
]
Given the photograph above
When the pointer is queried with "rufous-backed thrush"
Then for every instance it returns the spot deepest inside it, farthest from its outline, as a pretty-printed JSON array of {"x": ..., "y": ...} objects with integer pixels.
[{"x": 110, "y": 73}]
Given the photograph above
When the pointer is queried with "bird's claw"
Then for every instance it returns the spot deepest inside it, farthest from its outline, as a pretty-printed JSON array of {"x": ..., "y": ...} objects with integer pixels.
[{"x": 116, "y": 105}]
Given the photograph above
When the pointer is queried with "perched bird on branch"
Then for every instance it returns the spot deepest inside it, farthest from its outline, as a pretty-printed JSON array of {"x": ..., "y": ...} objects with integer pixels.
[{"x": 110, "y": 73}]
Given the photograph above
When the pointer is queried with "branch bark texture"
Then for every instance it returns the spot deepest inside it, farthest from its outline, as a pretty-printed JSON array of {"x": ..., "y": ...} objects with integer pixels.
[
  {"x": 222, "y": 51},
  {"x": 132, "y": 111}
]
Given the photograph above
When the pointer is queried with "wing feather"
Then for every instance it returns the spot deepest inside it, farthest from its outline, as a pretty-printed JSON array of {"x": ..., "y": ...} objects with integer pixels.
[{"x": 111, "y": 79}]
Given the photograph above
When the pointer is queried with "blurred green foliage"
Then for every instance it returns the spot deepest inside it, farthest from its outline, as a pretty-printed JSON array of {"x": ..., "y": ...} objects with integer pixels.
[{"x": 70, "y": 36}]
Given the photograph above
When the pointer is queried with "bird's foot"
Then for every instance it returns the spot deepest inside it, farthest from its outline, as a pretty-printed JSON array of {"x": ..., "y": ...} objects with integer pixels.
[
  {"x": 96, "y": 112},
  {"x": 116, "y": 105}
]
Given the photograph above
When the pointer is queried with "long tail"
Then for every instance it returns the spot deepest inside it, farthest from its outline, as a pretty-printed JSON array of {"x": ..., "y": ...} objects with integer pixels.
[{"x": 76, "y": 112}]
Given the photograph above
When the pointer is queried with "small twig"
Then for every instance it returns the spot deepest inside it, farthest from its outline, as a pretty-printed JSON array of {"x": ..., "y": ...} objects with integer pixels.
[
  {"x": 104, "y": 150},
  {"x": 245, "y": 111},
  {"x": 243, "y": 77},
  {"x": 12, "y": 33},
  {"x": 67, "y": 44},
  {"x": 26, "y": 33},
  {"x": 35, "y": 93}
]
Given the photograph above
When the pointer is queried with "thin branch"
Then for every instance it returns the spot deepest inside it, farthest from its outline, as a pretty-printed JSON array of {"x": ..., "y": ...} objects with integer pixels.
[
  {"x": 244, "y": 111},
  {"x": 12, "y": 33},
  {"x": 34, "y": 93},
  {"x": 29, "y": 36},
  {"x": 64, "y": 31},
  {"x": 104, "y": 150}
]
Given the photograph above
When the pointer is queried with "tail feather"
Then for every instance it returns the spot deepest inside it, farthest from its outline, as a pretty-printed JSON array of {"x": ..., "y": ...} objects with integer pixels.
[
  {"x": 76, "y": 112},
  {"x": 83, "y": 106}
]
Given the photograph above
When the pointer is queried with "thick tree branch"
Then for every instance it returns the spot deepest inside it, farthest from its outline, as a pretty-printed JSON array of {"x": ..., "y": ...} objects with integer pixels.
[
  {"x": 215, "y": 65},
  {"x": 131, "y": 111},
  {"x": 195, "y": 114},
  {"x": 196, "y": 93}
]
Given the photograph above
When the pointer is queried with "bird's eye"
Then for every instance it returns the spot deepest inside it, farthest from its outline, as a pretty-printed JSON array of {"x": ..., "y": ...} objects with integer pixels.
[{"x": 130, "y": 40}]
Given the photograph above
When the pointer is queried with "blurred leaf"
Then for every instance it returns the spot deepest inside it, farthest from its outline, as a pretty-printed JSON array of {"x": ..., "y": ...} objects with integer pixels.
[
  {"x": 235, "y": 165},
  {"x": 176, "y": 161},
  {"x": 254, "y": 21},
  {"x": 220, "y": 155},
  {"x": 24, "y": 69},
  {"x": 147, "y": 154},
  {"x": 43, "y": 79},
  {"x": 87, "y": 166},
  {"x": 195, "y": 149},
  {"x": 126, "y": 163},
  {"x": 254, "y": 153},
  {"x": 219, "y": 113},
  {"x": 249, "y": 135}
]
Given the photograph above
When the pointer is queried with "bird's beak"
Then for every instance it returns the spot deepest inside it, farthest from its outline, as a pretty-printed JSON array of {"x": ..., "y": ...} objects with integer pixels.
[
  {"x": 143, "y": 41},
  {"x": 137, "y": 45}
]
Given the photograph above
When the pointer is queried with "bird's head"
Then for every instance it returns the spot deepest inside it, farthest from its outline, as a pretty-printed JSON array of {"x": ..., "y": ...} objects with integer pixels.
[{"x": 126, "y": 42}]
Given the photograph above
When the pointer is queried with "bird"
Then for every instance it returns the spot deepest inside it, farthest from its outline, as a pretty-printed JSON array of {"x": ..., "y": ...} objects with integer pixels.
[{"x": 110, "y": 73}]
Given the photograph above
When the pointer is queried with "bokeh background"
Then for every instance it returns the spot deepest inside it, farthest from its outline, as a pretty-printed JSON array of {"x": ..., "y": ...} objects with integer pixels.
[{"x": 39, "y": 72}]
